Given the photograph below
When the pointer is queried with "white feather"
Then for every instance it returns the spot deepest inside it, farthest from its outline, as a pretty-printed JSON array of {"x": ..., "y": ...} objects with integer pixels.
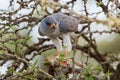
[
  {"x": 67, "y": 41},
  {"x": 58, "y": 44}
]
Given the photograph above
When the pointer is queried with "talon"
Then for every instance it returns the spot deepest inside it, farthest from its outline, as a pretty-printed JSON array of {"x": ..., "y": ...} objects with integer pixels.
[{"x": 63, "y": 63}]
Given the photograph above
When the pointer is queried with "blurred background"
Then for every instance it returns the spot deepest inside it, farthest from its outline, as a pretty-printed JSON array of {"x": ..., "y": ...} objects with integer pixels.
[{"x": 107, "y": 43}]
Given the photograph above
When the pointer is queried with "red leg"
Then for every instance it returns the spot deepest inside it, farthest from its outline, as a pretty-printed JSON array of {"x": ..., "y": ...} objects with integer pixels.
[
  {"x": 65, "y": 53},
  {"x": 58, "y": 54},
  {"x": 64, "y": 62}
]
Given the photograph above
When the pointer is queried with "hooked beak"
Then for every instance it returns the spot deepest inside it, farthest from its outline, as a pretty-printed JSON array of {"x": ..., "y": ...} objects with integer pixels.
[{"x": 53, "y": 25}]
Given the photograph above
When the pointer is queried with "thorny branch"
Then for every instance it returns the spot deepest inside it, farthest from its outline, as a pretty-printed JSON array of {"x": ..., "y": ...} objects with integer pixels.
[{"x": 14, "y": 45}]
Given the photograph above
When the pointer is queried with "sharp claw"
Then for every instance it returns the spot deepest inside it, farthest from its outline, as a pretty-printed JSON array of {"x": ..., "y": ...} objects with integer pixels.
[{"x": 63, "y": 63}]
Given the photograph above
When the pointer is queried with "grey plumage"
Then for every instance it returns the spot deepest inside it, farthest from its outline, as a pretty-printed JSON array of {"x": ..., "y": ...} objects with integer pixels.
[{"x": 64, "y": 25}]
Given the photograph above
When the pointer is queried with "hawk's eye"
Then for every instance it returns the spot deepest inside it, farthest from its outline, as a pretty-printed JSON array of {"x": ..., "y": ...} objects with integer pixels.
[{"x": 48, "y": 23}]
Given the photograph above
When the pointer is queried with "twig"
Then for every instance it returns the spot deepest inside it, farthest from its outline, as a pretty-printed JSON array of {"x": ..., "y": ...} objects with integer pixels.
[
  {"x": 50, "y": 76},
  {"x": 16, "y": 57}
]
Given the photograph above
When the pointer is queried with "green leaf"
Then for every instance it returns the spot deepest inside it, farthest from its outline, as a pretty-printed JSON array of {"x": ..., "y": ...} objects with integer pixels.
[
  {"x": 11, "y": 70},
  {"x": 89, "y": 77},
  {"x": 61, "y": 57},
  {"x": 98, "y": 67},
  {"x": 108, "y": 74},
  {"x": 13, "y": 28}
]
